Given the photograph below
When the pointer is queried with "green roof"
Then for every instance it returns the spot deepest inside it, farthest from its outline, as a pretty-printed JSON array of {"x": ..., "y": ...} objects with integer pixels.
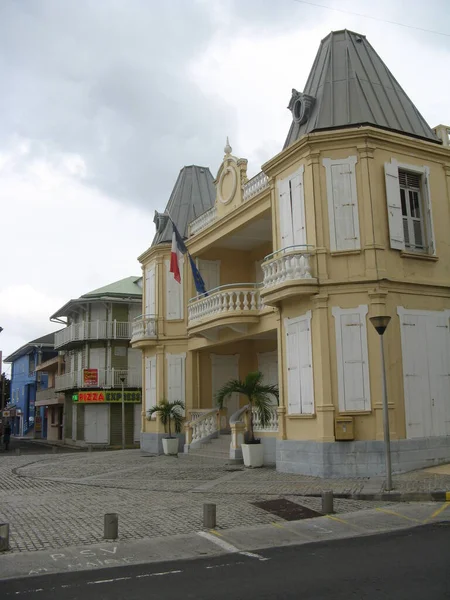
[{"x": 124, "y": 287}]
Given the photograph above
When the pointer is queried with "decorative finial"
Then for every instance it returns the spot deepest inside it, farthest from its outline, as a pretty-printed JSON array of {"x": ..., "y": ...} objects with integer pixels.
[{"x": 228, "y": 148}]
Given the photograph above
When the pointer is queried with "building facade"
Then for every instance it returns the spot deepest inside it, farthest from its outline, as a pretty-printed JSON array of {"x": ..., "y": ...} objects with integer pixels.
[
  {"x": 349, "y": 221},
  {"x": 97, "y": 364},
  {"x": 25, "y": 380}
]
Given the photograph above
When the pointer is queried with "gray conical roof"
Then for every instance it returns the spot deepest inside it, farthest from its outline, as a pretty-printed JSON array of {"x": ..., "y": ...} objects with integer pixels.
[
  {"x": 193, "y": 194},
  {"x": 349, "y": 85}
]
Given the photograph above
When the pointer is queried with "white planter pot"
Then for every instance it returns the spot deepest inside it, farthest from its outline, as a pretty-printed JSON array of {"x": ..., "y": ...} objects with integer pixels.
[
  {"x": 170, "y": 445},
  {"x": 253, "y": 455}
]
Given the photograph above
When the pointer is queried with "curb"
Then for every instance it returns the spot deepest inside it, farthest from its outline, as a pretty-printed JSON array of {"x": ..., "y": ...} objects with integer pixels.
[{"x": 437, "y": 496}]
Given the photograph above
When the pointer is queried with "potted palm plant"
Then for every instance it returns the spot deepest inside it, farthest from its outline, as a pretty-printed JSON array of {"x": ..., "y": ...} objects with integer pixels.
[
  {"x": 260, "y": 397},
  {"x": 168, "y": 412}
]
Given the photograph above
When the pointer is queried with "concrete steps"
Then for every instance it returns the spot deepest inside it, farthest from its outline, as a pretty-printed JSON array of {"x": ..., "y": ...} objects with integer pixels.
[{"x": 215, "y": 448}]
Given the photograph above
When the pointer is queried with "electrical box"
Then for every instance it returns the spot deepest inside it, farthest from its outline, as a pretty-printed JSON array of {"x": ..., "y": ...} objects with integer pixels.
[{"x": 344, "y": 428}]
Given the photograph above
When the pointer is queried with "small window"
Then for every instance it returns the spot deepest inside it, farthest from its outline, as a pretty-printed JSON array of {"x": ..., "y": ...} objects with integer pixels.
[{"x": 412, "y": 210}]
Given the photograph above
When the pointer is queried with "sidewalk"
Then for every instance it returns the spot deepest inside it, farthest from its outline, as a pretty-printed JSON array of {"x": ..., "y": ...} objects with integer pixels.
[{"x": 54, "y": 501}]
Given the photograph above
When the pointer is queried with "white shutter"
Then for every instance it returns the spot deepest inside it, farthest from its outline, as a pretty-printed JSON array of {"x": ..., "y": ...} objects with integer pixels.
[
  {"x": 176, "y": 377},
  {"x": 284, "y": 210},
  {"x": 352, "y": 359},
  {"x": 150, "y": 382},
  {"x": 438, "y": 352},
  {"x": 135, "y": 360},
  {"x": 293, "y": 369},
  {"x": 98, "y": 312},
  {"x": 150, "y": 290},
  {"x": 298, "y": 208},
  {"x": 342, "y": 203},
  {"x": 428, "y": 213},
  {"x": 210, "y": 272},
  {"x": 299, "y": 364},
  {"x": 394, "y": 206},
  {"x": 174, "y": 294}
]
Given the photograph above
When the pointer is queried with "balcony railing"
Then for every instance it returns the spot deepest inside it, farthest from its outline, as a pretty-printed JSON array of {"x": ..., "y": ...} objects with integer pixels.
[
  {"x": 203, "y": 221},
  {"x": 107, "y": 378},
  {"x": 45, "y": 394},
  {"x": 256, "y": 184},
  {"x": 238, "y": 298},
  {"x": 144, "y": 327},
  {"x": 93, "y": 330},
  {"x": 291, "y": 263}
]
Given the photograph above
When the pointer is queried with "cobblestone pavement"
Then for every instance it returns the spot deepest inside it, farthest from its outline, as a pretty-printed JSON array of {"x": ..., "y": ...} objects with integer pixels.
[{"x": 59, "y": 501}]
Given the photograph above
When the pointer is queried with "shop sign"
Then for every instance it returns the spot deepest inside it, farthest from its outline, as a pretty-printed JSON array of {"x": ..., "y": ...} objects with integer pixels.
[
  {"x": 90, "y": 377},
  {"x": 106, "y": 396}
]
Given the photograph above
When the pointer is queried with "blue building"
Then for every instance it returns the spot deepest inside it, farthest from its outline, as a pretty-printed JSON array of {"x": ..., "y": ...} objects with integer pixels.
[{"x": 24, "y": 383}]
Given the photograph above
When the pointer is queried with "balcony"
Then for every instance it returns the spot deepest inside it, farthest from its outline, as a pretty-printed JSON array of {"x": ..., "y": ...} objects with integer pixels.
[
  {"x": 252, "y": 188},
  {"x": 234, "y": 306},
  {"x": 92, "y": 330},
  {"x": 287, "y": 273},
  {"x": 144, "y": 328},
  {"x": 48, "y": 397},
  {"x": 107, "y": 378}
]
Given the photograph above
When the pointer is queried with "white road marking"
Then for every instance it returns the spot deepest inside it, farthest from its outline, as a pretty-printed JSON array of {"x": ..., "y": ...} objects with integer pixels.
[
  {"x": 228, "y": 547},
  {"x": 157, "y": 574},
  {"x": 107, "y": 580}
]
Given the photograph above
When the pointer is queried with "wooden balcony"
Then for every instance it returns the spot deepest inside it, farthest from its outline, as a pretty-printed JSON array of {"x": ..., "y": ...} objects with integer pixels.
[
  {"x": 233, "y": 306},
  {"x": 288, "y": 273},
  {"x": 92, "y": 330}
]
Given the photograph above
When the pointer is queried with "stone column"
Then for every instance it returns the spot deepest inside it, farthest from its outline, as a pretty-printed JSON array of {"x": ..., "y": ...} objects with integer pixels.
[{"x": 322, "y": 372}]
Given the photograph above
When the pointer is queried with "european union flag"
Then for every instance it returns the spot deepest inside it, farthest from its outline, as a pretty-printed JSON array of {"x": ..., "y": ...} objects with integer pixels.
[{"x": 198, "y": 279}]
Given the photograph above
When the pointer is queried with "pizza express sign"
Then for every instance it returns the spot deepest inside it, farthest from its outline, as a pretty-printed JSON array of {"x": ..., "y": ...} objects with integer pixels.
[{"x": 106, "y": 396}]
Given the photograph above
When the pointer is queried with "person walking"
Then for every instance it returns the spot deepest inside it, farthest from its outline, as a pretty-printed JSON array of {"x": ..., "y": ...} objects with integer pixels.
[{"x": 6, "y": 435}]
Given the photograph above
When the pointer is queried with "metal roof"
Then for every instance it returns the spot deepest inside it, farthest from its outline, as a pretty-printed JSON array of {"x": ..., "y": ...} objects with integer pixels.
[
  {"x": 46, "y": 341},
  {"x": 348, "y": 86},
  {"x": 193, "y": 194}
]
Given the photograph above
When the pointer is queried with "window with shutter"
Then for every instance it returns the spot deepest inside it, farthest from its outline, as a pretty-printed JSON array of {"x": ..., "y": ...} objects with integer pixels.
[
  {"x": 409, "y": 207},
  {"x": 174, "y": 294},
  {"x": 150, "y": 290},
  {"x": 300, "y": 390},
  {"x": 150, "y": 382},
  {"x": 176, "y": 377},
  {"x": 210, "y": 272},
  {"x": 342, "y": 203},
  {"x": 291, "y": 203},
  {"x": 352, "y": 359}
]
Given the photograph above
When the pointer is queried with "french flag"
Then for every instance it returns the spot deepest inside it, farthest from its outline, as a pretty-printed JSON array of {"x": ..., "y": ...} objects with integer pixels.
[{"x": 175, "y": 257}]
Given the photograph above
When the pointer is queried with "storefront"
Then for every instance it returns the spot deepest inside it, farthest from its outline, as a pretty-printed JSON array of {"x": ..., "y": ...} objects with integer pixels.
[{"x": 95, "y": 417}]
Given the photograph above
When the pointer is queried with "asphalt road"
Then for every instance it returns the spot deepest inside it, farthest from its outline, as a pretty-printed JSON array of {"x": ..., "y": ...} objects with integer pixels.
[{"x": 408, "y": 565}]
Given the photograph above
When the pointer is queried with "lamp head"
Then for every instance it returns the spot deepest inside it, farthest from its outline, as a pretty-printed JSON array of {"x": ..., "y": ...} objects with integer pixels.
[{"x": 380, "y": 323}]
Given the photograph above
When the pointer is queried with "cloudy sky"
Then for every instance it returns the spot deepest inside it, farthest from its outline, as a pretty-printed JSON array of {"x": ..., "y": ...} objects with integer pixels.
[{"x": 103, "y": 101}]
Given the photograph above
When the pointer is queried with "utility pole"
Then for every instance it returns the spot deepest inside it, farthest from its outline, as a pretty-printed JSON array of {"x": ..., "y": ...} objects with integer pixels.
[{"x": 122, "y": 379}]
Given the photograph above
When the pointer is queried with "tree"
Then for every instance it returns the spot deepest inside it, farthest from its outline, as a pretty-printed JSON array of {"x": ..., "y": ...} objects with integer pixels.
[
  {"x": 168, "y": 412},
  {"x": 257, "y": 394}
]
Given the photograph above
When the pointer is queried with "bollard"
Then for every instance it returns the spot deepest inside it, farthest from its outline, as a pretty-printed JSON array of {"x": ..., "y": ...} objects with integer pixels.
[
  {"x": 90, "y": 448},
  {"x": 209, "y": 516},
  {"x": 54, "y": 449},
  {"x": 111, "y": 526},
  {"x": 327, "y": 502},
  {"x": 4, "y": 537},
  {"x": 17, "y": 451}
]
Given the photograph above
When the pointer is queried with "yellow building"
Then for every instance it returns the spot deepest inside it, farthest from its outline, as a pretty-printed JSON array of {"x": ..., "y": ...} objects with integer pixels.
[{"x": 350, "y": 220}]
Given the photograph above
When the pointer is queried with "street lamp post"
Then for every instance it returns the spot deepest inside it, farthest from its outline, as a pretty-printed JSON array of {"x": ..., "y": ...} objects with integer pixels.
[
  {"x": 380, "y": 324},
  {"x": 122, "y": 379}
]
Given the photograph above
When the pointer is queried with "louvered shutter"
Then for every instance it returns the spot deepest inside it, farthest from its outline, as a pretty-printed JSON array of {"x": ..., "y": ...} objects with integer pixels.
[
  {"x": 150, "y": 290},
  {"x": 428, "y": 213},
  {"x": 298, "y": 209},
  {"x": 150, "y": 382},
  {"x": 176, "y": 377},
  {"x": 394, "y": 206},
  {"x": 352, "y": 359},
  {"x": 293, "y": 367},
  {"x": 284, "y": 210},
  {"x": 438, "y": 352},
  {"x": 306, "y": 368},
  {"x": 174, "y": 294},
  {"x": 342, "y": 204}
]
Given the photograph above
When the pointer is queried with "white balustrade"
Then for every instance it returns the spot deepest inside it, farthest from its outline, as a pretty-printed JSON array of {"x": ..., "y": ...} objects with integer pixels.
[
  {"x": 144, "y": 326},
  {"x": 286, "y": 265},
  {"x": 107, "y": 378},
  {"x": 227, "y": 299},
  {"x": 256, "y": 184},
  {"x": 271, "y": 425},
  {"x": 93, "y": 330},
  {"x": 204, "y": 427},
  {"x": 203, "y": 221}
]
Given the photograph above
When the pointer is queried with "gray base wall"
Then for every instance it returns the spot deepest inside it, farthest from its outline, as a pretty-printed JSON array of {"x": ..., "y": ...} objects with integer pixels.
[
  {"x": 151, "y": 443},
  {"x": 360, "y": 458},
  {"x": 270, "y": 450}
]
